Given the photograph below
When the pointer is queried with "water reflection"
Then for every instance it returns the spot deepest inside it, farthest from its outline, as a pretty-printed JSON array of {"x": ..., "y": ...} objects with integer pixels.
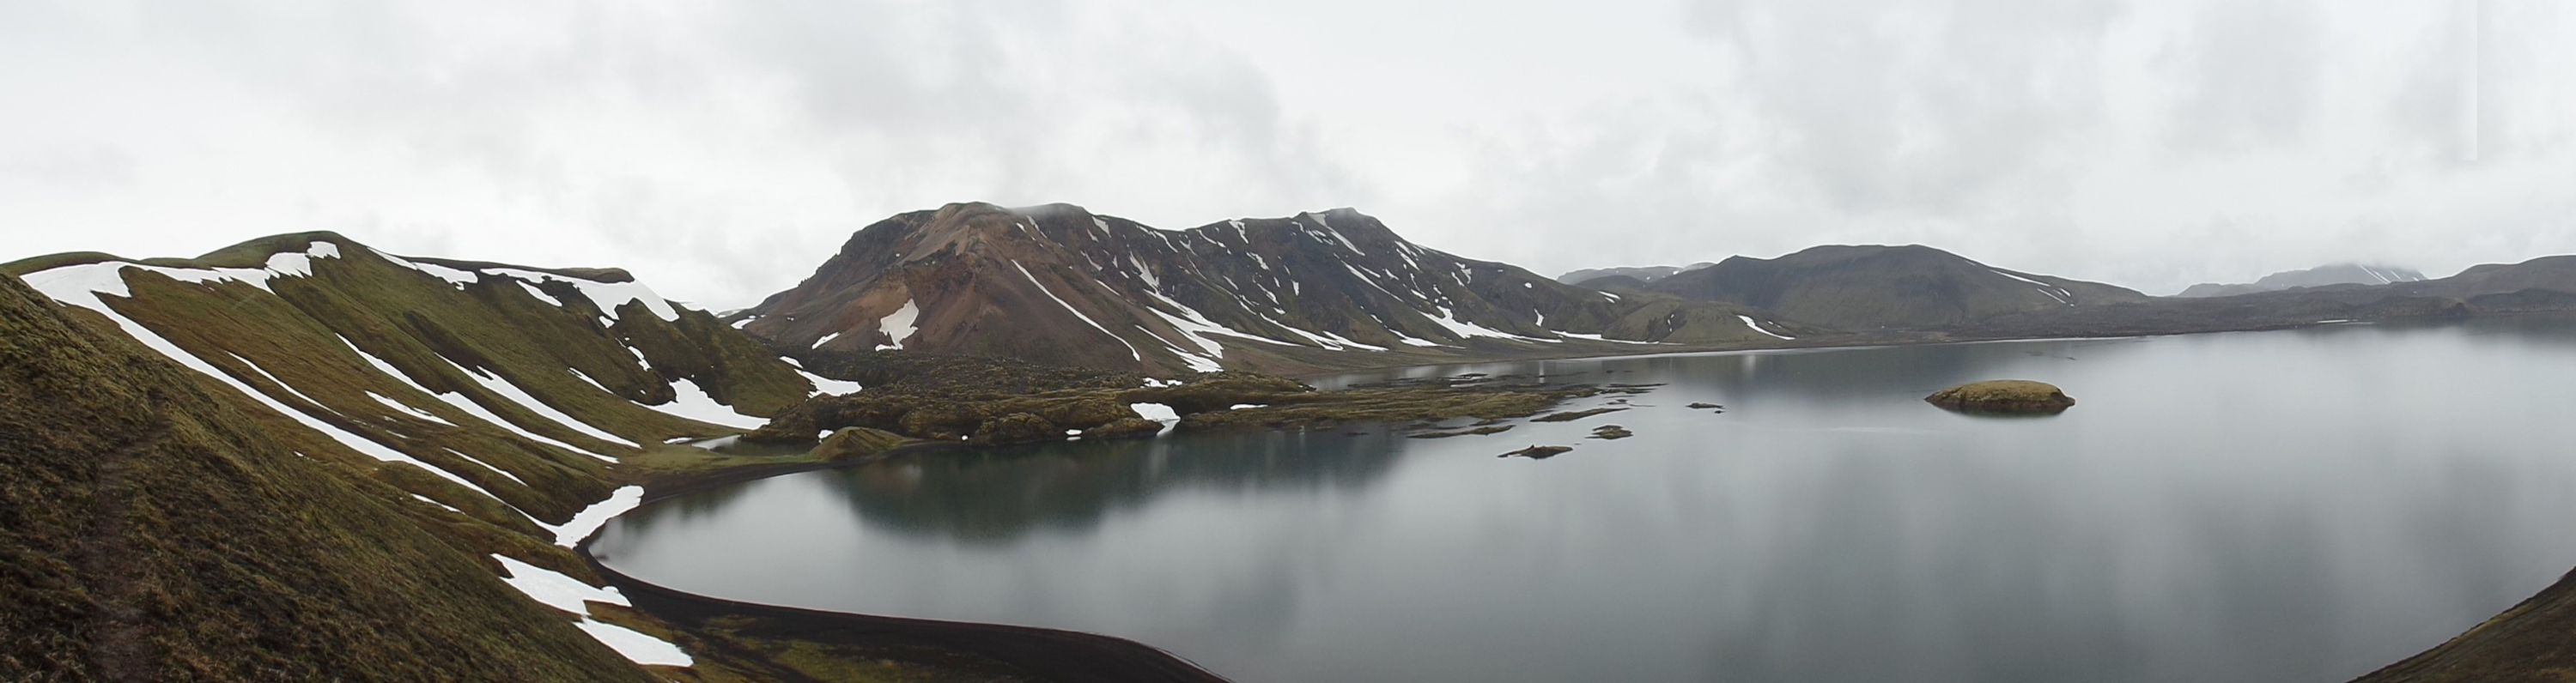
[
  {"x": 2302, "y": 505},
  {"x": 999, "y": 496}
]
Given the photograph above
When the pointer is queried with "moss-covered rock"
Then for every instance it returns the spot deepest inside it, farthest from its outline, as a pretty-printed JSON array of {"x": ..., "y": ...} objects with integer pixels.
[
  {"x": 941, "y": 420},
  {"x": 858, "y": 442},
  {"x": 1219, "y": 391},
  {"x": 1017, "y": 428},
  {"x": 1086, "y": 413},
  {"x": 1129, "y": 428},
  {"x": 2012, "y": 396}
]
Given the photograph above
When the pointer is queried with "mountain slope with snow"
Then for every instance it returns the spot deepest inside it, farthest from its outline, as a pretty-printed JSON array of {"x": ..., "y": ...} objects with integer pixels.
[
  {"x": 159, "y": 524},
  {"x": 1059, "y": 284},
  {"x": 494, "y": 403}
]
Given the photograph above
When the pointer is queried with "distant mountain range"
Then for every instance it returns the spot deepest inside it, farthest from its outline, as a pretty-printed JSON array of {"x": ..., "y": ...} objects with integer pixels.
[
  {"x": 1625, "y": 275},
  {"x": 1059, "y": 284},
  {"x": 1866, "y": 288},
  {"x": 2321, "y": 276}
]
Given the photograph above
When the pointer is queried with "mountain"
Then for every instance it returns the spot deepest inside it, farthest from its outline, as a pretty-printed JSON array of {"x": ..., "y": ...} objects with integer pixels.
[
  {"x": 1585, "y": 277},
  {"x": 2539, "y": 285},
  {"x": 2321, "y": 276},
  {"x": 303, "y": 458},
  {"x": 1866, "y": 288},
  {"x": 1058, "y": 284}
]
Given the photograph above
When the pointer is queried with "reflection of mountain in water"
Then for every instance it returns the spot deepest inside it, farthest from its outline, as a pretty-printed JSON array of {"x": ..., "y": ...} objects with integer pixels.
[{"x": 997, "y": 496}]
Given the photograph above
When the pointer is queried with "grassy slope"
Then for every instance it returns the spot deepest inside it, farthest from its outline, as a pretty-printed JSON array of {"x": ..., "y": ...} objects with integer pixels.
[
  {"x": 428, "y": 329},
  {"x": 282, "y": 596},
  {"x": 154, "y": 528},
  {"x": 2530, "y": 643}
]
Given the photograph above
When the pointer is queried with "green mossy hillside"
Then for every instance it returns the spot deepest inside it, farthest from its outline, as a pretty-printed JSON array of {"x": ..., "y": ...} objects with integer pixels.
[
  {"x": 156, "y": 527},
  {"x": 328, "y": 336}
]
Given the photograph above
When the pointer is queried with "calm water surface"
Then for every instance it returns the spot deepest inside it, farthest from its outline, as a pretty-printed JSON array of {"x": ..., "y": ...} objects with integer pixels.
[{"x": 2281, "y": 506}]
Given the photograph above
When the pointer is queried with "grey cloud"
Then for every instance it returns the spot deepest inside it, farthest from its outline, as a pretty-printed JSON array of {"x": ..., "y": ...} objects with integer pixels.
[
  {"x": 2249, "y": 74},
  {"x": 1890, "y": 105},
  {"x": 718, "y": 149}
]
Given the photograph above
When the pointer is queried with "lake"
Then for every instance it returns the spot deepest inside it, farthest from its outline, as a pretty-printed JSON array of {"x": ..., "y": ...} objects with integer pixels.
[{"x": 2303, "y": 505}]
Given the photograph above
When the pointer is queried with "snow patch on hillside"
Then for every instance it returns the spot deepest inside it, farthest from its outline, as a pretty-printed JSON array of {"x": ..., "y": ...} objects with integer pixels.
[
  {"x": 1033, "y": 281},
  {"x": 635, "y": 646},
  {"x": 1449, "y": 319},
  {"x": 461, "y": 402},
  {"x": 694, "y": 403},
  {"x": 458, "y": 278},
  {"x": 823, "y": 385},
  {"x": 1158, "y": 413},
  {"x": 407, "y": 409},
  {"x": 899, "y": 325},
  {"x": 2052, "y": 291},
  {"x": 573, "y": 531},
  {"x": 554, "y": 589},
  {"x": 109, "y": 277},
  {"x": 1195, "y": 327},
  {"x": 467, "y": 404},
  {"x": 1757, "y": 327},
  {"x": 607, "y": 296},
  {"x": 511, "y": 392},
  {"x": 540, "y": 294},
  {"x": 82, "y": 286}
]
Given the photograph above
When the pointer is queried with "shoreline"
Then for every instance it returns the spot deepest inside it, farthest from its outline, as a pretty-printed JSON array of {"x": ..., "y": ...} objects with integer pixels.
[
  {"x": 1046, "y": 654},
  {"x": 1855, "y": 342}
]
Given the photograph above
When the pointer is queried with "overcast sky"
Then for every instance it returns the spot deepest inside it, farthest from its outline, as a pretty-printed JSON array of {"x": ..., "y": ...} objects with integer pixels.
[{"x": 722, "y": 149}]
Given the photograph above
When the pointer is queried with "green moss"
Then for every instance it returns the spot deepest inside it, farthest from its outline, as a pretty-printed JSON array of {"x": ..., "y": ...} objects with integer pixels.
[{"x": 2003, "y": 396}]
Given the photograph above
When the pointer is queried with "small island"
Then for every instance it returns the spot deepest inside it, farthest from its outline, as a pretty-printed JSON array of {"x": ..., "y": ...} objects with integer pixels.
[{"x": 2007, "y": 397}]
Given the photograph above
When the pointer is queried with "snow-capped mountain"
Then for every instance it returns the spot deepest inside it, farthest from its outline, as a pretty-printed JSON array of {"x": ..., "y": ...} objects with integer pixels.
[
  {"x": 2321, "y": 276},
  {"x": 1059, "y": 284}
]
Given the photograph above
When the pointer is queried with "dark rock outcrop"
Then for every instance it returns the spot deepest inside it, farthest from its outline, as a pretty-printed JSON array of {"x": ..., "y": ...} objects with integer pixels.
[
  {"x": 1538, "y": 452},
  {"x": 1125, "y": 428}
]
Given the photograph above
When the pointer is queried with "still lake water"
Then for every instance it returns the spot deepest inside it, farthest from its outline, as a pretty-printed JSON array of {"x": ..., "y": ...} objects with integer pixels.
[{"x": 2280, "y": 506}]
